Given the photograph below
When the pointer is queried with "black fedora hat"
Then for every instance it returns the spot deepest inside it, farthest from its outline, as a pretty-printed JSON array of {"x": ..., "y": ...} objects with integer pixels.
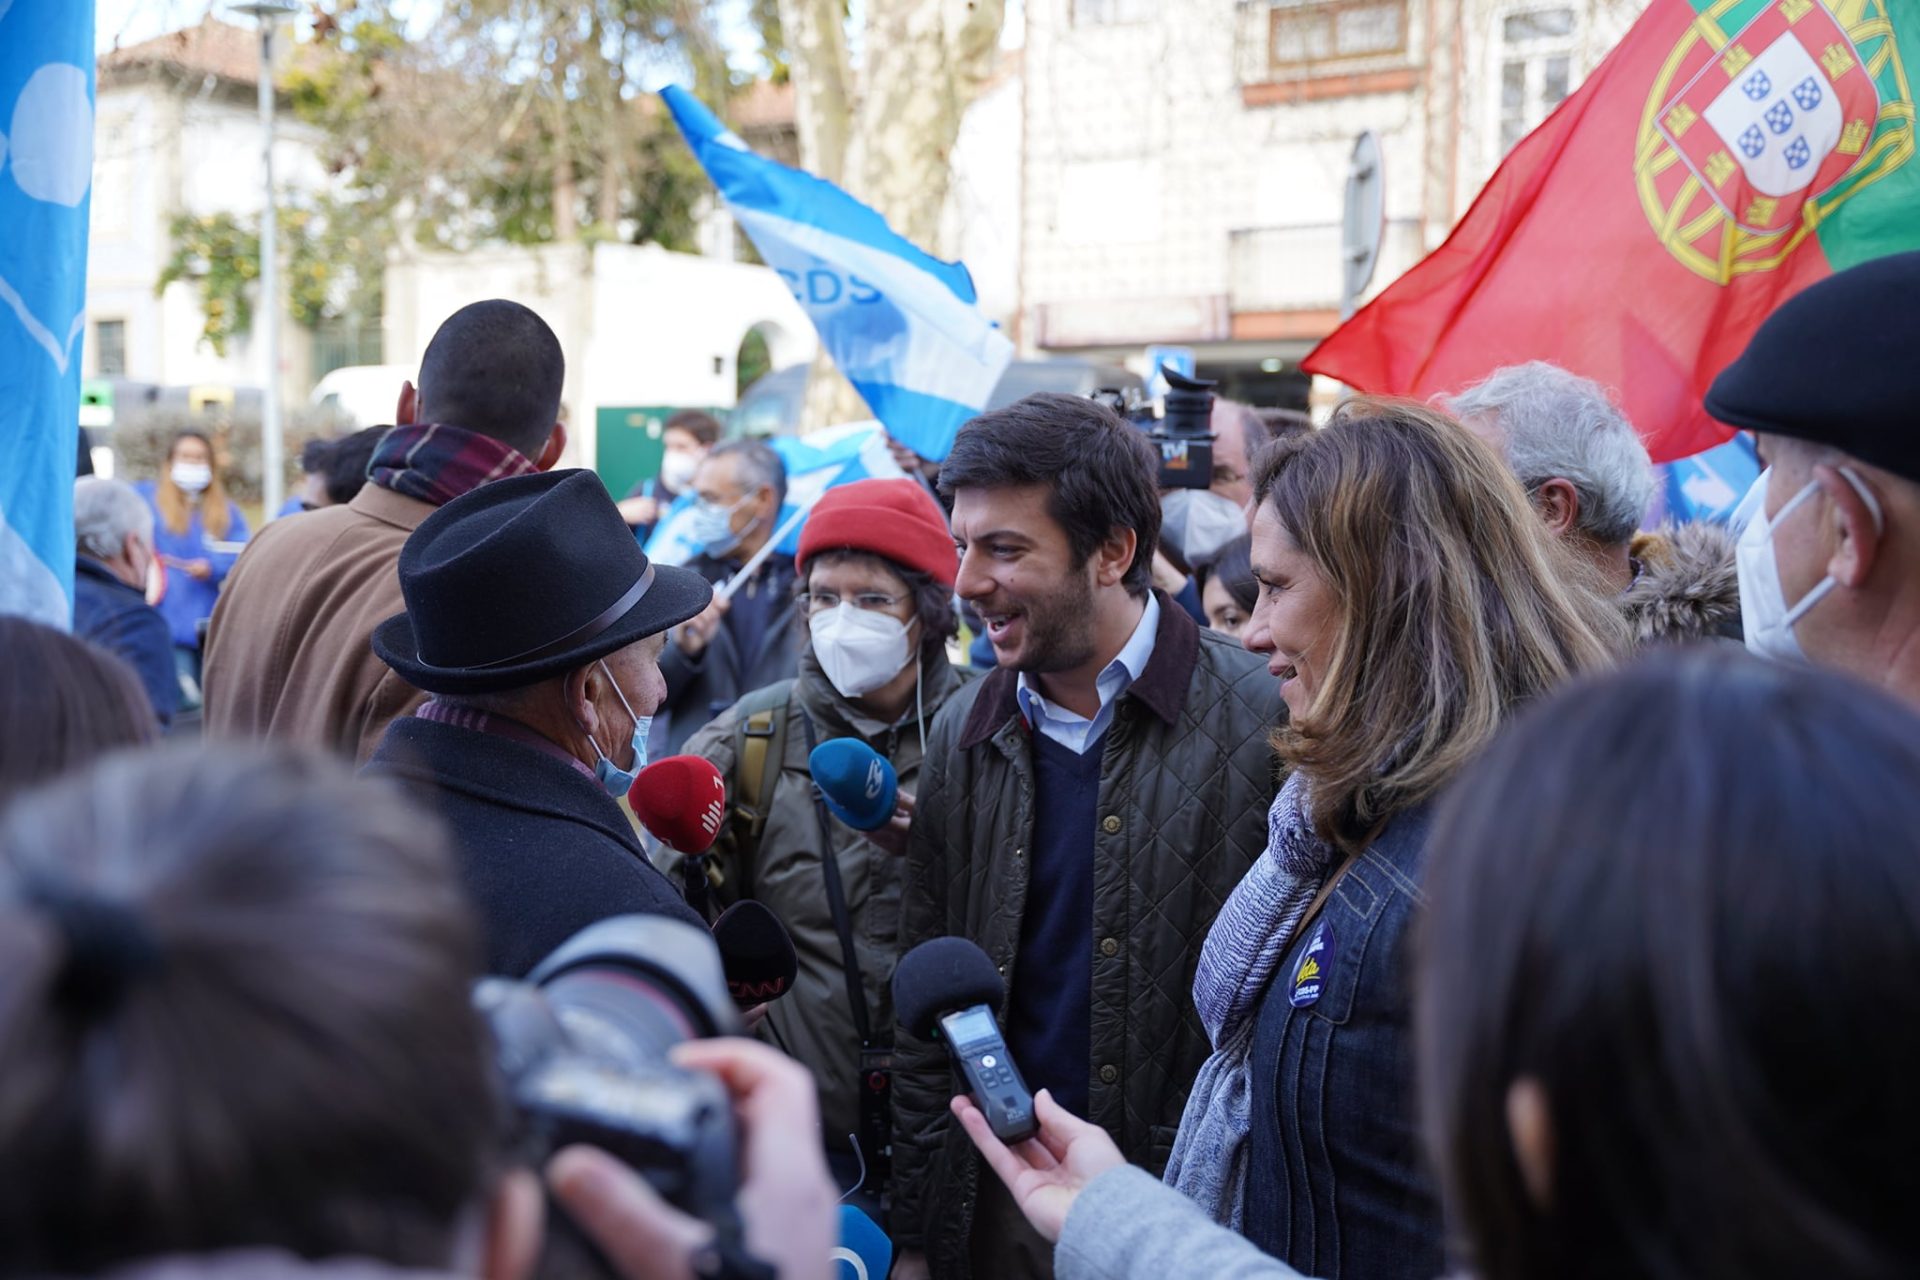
[{"x": 524, "y": 579}]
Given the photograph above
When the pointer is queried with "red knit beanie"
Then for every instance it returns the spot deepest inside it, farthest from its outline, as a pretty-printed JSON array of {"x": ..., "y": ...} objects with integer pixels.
[{"x": 894, "y": 519}]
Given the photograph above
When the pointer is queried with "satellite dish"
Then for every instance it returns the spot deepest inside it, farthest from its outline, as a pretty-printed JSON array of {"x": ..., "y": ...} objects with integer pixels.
[{"x": 1363, "y": 221}]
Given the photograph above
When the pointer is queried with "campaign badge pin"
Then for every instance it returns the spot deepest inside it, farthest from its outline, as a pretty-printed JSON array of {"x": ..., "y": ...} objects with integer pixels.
[{"x": 1311, "y": 976}]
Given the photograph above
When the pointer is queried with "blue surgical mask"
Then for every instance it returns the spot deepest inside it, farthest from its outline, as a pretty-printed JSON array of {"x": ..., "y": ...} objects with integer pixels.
[
  {"x": 712, "y": 526},
  {"x": 616, "y": 780}
]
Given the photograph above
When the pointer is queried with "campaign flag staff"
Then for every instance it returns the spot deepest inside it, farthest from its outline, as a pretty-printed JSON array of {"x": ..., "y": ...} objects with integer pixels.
[
  {"x": 900, "y": 324},
  {"x": 1724, "y": 157},
  {"x": 46, "y": 173}
]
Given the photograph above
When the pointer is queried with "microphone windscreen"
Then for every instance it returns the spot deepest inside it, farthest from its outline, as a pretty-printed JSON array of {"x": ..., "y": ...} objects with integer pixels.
[
  {"x": 865, "y": 1253},
  {"x": 857, "y": 782},
  {"x": 757, "y": 953},
  {"x": 682, "y": 801},
  {"x": 939, "y": 976}
]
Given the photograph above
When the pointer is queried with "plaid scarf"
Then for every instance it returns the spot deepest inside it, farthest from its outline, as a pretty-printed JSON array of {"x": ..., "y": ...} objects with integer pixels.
[{"x": 438, "y": 463}]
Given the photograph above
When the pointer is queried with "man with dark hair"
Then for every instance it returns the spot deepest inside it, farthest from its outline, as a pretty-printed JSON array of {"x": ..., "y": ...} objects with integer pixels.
[
  {"x": 287, "y": 652},
  {"x": 347, "y": 464},
  {"x": 1085, "y": 809},
  {"x": 749, "y": 641}
]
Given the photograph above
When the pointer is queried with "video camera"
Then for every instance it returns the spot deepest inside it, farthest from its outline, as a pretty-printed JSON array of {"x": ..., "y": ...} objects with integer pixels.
[
  {"x": 582, "y": 1045},
  {"x": 1183, "y": 436}
]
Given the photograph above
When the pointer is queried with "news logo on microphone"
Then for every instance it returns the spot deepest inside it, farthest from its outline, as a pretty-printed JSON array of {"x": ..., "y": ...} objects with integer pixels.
[{"x": 857, "y": 783}]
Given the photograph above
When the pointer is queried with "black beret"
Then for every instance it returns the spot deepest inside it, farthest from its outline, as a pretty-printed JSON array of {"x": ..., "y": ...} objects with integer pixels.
[{"x": 1838, "y": 364}]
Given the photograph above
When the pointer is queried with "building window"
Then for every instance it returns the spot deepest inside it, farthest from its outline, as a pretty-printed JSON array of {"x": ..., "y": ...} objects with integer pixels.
[
  {"x": 1302, "y": 35},
  {"x": 1106, "y": 13},
  {"x": 1536, "y": 69},
  {"x": 110, "y": 348}
]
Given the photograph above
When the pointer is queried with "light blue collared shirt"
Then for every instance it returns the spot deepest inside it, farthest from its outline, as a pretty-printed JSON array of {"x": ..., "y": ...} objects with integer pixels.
[{"x": 1073, "y": 731}]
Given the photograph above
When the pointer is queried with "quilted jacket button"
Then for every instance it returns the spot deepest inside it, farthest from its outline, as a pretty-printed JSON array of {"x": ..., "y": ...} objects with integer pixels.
[
  {"x": 1109, "y": 947},
  {"x": 1109, "y": 1073},
  {"x": 1111, "y": 824}
]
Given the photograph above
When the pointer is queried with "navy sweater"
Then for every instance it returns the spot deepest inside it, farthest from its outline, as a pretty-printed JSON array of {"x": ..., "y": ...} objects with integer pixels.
[{"x": 1050, "y": 1009}]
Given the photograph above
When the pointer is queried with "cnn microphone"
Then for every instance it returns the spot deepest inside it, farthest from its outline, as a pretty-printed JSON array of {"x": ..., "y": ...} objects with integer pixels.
[
  {"x": 947, "y": 989},
  {"x": 857, "y": 782},
  {"x": 682, "y": 801},
  {"x": 756, "y": 951}
]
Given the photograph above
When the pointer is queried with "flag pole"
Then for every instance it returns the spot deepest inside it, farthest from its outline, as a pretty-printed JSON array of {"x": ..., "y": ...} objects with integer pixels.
[{"x": 726, "y": 589}]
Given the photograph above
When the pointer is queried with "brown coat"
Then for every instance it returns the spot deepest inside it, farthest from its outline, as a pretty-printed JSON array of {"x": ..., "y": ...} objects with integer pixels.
[{"x": 288, "y": 652}]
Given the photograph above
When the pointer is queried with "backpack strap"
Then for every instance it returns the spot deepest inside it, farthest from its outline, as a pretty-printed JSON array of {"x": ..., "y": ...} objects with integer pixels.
[{"x": 759, "y": 748}]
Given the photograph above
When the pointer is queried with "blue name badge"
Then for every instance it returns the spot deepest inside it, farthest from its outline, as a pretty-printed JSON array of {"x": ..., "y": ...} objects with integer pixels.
[{"x": 1311, "y": 976}]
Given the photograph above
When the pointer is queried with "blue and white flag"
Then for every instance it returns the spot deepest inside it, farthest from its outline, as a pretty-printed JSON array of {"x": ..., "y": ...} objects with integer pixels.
[
  {"x": 46, "y": 171},
  {"x": 1709, "y": 486},
  {"x": 816, "y": 462},
  {"x": 902, "y": 325}
]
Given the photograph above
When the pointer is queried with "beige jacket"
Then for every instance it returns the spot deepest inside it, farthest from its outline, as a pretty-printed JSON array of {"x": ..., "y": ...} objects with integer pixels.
[{"x": 288, "y": 652}]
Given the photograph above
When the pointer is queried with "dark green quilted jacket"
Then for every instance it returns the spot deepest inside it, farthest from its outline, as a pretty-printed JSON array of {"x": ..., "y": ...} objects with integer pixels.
[{"x": 1186, "y": 779}]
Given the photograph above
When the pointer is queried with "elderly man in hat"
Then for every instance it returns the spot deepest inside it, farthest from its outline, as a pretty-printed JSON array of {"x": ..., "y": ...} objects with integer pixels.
[
  {"x": 1830, "y": 560},
  {"x": 535, "y": 623}
]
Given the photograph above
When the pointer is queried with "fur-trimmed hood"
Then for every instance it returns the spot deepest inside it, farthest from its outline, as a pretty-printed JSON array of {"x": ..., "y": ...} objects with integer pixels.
[{"x": 1687, "y": 589}]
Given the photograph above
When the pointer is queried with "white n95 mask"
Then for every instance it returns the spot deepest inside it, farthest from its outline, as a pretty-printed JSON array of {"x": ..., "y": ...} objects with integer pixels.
[
  {"x": 1765, "y": 616},
  {"x": 860, "y": 650}
]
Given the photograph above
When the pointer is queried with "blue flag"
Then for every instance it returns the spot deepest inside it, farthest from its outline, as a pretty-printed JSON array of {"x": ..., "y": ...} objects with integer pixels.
[
  {"x": 46, "y": 170},
  {"x": 1709, "y": 486},
  {"x": 901, "y": 324}
]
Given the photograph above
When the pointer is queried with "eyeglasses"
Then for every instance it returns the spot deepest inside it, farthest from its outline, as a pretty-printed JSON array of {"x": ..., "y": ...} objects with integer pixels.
[{"x": 872, "y": 601}]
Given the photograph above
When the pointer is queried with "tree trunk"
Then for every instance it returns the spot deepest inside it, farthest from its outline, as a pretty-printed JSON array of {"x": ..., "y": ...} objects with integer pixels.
[
  {"x": 822, "y": 83},
  {"x": 925, "y": 62},
  {"x": 566, "y": 221}
]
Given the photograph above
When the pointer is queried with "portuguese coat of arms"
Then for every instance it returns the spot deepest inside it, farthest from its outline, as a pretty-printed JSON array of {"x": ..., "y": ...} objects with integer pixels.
[{"x": 1751, "y": 137}]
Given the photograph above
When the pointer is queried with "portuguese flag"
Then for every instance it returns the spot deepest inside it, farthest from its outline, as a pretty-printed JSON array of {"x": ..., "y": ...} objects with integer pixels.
[{"x": 1726, "y": 155}]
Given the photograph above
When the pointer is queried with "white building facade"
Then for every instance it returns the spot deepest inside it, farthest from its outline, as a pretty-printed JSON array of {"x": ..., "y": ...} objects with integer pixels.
[
  {"x": 177, "y": 132},
  {"x": 1184, "y": 165}
]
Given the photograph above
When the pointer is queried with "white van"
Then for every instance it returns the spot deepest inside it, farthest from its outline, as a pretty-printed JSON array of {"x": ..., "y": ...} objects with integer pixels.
[{"x": 361, "y": 395}]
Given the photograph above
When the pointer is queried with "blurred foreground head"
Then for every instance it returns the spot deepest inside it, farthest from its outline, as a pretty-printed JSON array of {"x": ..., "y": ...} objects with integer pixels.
[
  {"x": 63, "y": 703},
  {"x": 234, "y": 1013},
  {"x": 1668, "y": 1018}
]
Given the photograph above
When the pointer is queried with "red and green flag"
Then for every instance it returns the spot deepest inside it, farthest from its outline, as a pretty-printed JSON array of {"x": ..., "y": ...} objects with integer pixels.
[{"x": 1726, "y": 155}]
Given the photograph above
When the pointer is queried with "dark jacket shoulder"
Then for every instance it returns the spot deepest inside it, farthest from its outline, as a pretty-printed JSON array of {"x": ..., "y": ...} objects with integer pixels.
[
  {"x": 542, "y": 849},
  {"x": 117, "y": 617}
]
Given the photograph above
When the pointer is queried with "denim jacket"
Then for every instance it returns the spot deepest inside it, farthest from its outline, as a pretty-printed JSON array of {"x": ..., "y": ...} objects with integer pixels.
[{"x": 1337, "y": 1186}]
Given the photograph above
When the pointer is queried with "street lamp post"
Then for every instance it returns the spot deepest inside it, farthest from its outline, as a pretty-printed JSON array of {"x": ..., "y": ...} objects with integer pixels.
[{"x": 272, "y": 447}]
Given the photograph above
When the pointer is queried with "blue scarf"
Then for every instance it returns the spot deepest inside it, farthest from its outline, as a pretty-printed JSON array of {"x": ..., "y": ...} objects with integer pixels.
[{"x": 1248, "y": 941}]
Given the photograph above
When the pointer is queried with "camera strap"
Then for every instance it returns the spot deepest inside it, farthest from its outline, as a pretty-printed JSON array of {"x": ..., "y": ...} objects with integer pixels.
[{"x": 876, "y": 1059}]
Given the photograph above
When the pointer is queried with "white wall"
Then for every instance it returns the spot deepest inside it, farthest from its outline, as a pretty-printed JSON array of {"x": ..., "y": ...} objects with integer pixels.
[{"x": 158, "y": 154}]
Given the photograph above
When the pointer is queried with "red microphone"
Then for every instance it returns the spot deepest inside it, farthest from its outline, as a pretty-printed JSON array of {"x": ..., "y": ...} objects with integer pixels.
[{"x": 682, "y": 801}]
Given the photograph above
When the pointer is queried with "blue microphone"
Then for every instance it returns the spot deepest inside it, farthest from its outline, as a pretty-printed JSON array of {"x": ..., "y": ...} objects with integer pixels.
[
  {"x": 857, "y": 782},
  {"x": 865, "y": 1253}
]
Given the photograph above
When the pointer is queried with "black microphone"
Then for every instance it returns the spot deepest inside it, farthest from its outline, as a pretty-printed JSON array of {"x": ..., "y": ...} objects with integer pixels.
[
  {"x": 947, "y": 989},
  {"x": 757, "y": 953}
]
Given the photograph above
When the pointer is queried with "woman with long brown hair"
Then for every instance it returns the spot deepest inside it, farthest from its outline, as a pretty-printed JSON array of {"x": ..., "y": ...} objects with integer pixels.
[
  {"x": 196, "y": 531},
  {"x": 1410, "y": 601}
]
